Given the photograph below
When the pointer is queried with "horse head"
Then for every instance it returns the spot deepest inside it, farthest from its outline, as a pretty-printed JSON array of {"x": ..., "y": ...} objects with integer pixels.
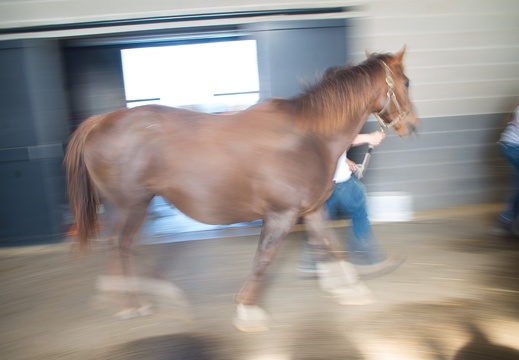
[{"x": 394, "y": 108}]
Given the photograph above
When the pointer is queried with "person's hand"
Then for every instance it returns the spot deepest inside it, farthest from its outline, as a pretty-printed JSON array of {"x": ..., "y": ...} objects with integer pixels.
[
  {"x": 376, "y": 137},
  {"x": 351, "y": 165}
]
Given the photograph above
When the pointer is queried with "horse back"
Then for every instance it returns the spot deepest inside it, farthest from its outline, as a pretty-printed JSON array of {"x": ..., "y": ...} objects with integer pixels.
[{"x": 214, "y": 168}]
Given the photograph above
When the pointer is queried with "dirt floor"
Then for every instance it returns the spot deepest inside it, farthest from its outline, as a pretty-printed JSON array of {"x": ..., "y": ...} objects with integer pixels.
[{"x": 456, "y": 297}]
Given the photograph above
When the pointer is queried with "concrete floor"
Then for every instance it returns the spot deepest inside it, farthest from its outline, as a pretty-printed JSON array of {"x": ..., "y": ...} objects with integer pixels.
[{"x": 456, "y": 297}]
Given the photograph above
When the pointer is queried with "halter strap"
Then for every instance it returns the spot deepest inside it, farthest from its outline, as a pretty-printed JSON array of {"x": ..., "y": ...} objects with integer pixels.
[{"x": 391, "y": 98}]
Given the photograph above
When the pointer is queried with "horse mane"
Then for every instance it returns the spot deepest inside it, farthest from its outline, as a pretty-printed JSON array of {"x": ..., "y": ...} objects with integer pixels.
[{"x": 324, "y": 107}]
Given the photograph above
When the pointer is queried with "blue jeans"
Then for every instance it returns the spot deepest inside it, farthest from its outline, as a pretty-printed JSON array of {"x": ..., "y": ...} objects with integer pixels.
[
  {"x": 349, "y": 199},
  {"x": 510, "y": 152}
]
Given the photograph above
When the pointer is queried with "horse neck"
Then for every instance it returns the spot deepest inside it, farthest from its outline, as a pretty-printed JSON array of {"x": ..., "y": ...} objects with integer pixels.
[
  {"x": 342, "y": 101},
  {"x": 337, "y": 109},
  {"x": 342, "y": 140}
]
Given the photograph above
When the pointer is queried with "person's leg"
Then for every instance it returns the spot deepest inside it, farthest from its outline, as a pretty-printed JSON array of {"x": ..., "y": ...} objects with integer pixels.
[
  {"x": 363, "y": 250},
  {"x": 362, "y": 247},
  {"x": 332, "y": 205},
  {"x": 307, "y": 263},
  {"x": 508, "y": 218},
  {"x": 511, "y": 154}
]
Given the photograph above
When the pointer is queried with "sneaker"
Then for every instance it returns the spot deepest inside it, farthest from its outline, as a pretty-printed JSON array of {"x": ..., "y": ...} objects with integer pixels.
[
  {"x": 390, "y": 264},
  {"x": 306, "y": 264},
  {"x": 514, "y": 229},
  {"x": 502, "y": 227},
  {"x": 307, "y": 267}
]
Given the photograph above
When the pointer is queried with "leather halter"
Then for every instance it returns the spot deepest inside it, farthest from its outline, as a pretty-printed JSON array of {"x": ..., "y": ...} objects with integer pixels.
[{"x": 391, "y": 98}]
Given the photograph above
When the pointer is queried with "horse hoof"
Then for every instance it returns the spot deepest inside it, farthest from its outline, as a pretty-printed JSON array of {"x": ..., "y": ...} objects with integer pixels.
[
  {"x": 127, "y": 314},
  {"x": 145, "y": 310},
  {"x": 250, "y": 318}
]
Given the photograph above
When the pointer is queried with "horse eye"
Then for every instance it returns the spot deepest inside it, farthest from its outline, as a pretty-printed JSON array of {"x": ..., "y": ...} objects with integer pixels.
[{"x": 406, "y": 83}]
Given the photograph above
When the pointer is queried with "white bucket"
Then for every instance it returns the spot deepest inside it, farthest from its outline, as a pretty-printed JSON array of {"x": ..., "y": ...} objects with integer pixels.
[{"x": 390, "y": 206}]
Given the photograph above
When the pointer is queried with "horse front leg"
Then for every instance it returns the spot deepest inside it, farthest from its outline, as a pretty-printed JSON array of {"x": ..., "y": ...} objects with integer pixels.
[
  {"x": 336, "y": 275},
  {"x": 275, "y": 228}
]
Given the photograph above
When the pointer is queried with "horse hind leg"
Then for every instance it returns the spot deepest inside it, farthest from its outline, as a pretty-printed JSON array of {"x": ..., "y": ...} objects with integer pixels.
[
  {"x": 249, "y": 316},
  {"x": 336, "y": 276},
  {"x": 123, "y": 279}
]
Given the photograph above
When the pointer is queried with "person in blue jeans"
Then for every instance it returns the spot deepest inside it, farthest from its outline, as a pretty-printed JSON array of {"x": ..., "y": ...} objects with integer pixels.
[
  {"x": 349, "y": 198},
  {"x": 509, "y": 146}
]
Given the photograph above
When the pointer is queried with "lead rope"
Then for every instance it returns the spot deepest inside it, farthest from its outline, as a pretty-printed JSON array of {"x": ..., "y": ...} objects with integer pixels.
[{"x": 361, "y": 168}]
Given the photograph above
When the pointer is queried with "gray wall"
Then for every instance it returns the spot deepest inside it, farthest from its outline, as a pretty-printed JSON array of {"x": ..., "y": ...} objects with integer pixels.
[
  {"x": 34, "y": 123},
  {"x": 291, "y": 53},
  {"x": 452, "y": 162},
  {"x": 94, "y": 80},
  {"x": 41, "y": 101}
]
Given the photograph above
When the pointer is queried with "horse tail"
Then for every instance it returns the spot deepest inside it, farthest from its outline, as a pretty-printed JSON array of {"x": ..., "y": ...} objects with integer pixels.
[{"x": 81, "y": 190}]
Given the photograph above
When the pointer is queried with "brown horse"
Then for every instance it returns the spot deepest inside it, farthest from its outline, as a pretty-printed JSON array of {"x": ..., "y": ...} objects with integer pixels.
[{"x": 274, "y": 161}]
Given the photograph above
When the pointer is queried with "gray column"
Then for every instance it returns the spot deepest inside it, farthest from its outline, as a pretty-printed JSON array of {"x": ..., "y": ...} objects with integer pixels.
[{"x": 33, "y": 129}]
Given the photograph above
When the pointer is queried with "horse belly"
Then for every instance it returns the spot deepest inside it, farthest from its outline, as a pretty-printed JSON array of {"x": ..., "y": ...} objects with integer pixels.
[
  {"x": 215, "y": 209},
  {"x": 208, "y": 193}
]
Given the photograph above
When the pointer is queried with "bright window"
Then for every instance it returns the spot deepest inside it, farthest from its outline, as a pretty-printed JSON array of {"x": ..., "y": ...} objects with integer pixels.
[{"x": 211, "y": 77}]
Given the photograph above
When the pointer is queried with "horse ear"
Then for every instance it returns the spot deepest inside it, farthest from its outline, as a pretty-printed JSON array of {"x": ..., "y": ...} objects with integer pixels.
[
  {"x": 400, "y": 55},
  {"x": 368, "y": 53}
]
